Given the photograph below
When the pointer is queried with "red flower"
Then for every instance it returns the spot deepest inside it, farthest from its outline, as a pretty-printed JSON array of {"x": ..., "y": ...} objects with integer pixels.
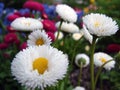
[
  {"x": 10, "y": 38},
  {"x": 112, "y": 48},
  {"x": 12, "y": 17},
  {"x": 51, "y": 35},
  {"x": 49, "y": 26},
  {"x": 23, "y": 46},
  {"x": 33, "y": 5},
  {"x": 10, "y": 29},
  {"x": 17, "y": 42},
  {"x": 3, "y": 46}
]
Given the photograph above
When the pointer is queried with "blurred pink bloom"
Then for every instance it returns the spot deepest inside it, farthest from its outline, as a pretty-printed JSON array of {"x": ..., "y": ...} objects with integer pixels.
[
  {"x": 12, "y": 17},
  {"x": 23, "y": 46},
  {"x": 49, "y": 26},
  {"x": 10, "y": 38},
  {"x": 112, "y": 48},
  {"x": 3, "y": 46},
  {"x": 51, "y": 35},
  {"x": 33, "y": 5}
]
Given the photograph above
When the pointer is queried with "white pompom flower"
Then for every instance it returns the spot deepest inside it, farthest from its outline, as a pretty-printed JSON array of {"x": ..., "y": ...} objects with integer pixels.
[
  {"x": 86, "y": 34},
  {"x": 66, "y": 13},
  {"x": 38, "y": 37},
  {"x": 39, "y": 66},
  {"x": 77, "y": 36},
  {"x": 68, "y": 27},
  {"x": 82, "y": 58},
  {"x": 60, "y": 36},
  {"x": 100, "y": 24},
  {"x": 26, "y": 24},
  {"x": 100, "y": 58},
  {"x": 79, "y": 88}
]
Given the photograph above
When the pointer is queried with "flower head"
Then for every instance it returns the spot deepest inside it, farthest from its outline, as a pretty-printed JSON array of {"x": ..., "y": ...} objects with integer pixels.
[
  {"x": 79, "y": 88},
  {"x": 39, "y": 66},
  {"x": 38, "y": 37},
  {"x": 68, "y": 27},
  {"x": 77, "y": 36},
  {"x": 86, "y": 34},
  {"x": 113, "y": 48},
  {"x": 10, "y": 38},
  {"x": 82, "y": 58},
  {"x": 100, "y": 58},
  {"x": 33, "y": 5},
  {"x": 66, "y": 13},
  {"x": 26, "y": 24},
  {"x": 60, "y": 36},
  {"x": 23, "y": 46},
  {"x": 49, "y": 26},
  {"x": 100, "y": 24},
  {"x": 12, "y": 17}
]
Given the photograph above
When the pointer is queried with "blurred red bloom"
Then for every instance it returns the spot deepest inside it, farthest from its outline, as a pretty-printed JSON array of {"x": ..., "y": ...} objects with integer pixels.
[
  {"x": 10, "y": 29},
  {"x": 12, "y": 17},
  {"x": 33, "y": 5},
  {"x": 112, "y": 48},
  {"x": 49, "y": 26},
  {"x": 51, "y": 35},
  {"x": 23, "y": 46},
  {"x": 10, "y": 38},
  {"x": 3, "y": 46},
  {"x": 17, "y": 42}
]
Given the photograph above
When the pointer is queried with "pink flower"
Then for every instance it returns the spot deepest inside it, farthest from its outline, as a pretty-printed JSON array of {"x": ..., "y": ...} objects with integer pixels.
[
  {"x": 23, "y": 46},
  {"x": 49, "y": 26},
  {"x": 10, "y": 38},
  {"x": 3, "y": 46},
  {"x": 10, "y": 29},
  {"x": 33, "y": 5},
  {"x": 51, "y": 35},
  {"x": 112, "y": 48},
  {"x": 12, "y": 17}
]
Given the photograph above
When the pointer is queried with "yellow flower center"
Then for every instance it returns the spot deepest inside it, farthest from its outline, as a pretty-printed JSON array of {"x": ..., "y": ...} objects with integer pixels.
[
  {"x": 41, "y": 64},
  {"x": 97, "y": 24},
  {"x": 39, "y": 41},
  {"x": 103, "y": 60}
]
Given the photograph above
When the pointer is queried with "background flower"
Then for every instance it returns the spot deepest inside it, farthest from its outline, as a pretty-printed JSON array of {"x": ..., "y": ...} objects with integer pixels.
[
  {"x": 66, "y": 13},
  {"x": 100, "y": 24}
]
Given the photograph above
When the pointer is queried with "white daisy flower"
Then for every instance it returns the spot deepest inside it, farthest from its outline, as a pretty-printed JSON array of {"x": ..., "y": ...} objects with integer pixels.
[
  {"x": 39, "y": 66},
  {"x": 77, "y": 36},
  {"x": 61, "y": 35},
  {"x": 68, "y": 27},
  {"x": 100, "y": 24},
  {"x": 100, "y": 58},
  {"x": 38, "y": 37},
  {"x": 82, "y": 58},
  {"x": 79, "y": 88},
  {"x": 66, "y": 13},
  {"x": 86, "y": 34},
  {"x": 26, "y": 24}
]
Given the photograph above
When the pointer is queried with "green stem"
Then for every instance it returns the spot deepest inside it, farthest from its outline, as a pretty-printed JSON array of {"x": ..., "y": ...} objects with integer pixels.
[
  {"x": 80, "y": 74},
  {"x": 99, "y": 71},
  {"x": 92, "y": 63}
]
